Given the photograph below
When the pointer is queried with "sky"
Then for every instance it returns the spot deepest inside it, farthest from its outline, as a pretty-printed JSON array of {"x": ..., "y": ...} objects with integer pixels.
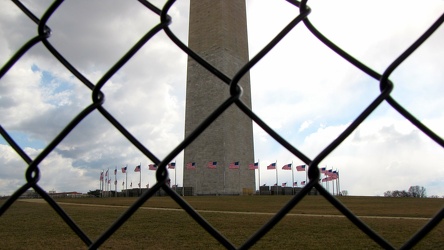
[{"x": 302, "y": 89}]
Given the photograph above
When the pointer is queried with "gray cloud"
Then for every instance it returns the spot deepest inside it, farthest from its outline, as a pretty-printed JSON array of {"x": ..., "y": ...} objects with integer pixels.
[{"x": 299, "y": 81}]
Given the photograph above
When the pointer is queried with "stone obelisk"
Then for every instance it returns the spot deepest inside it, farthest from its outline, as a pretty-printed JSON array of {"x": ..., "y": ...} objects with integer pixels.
[{"x": 218, "y": 33}]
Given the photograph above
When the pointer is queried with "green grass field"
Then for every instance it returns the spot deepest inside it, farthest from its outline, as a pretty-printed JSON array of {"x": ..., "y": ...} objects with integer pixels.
[{"x": 36, "y": 225}]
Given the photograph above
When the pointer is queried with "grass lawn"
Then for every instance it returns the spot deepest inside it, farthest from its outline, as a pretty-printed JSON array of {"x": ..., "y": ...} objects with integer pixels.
[{"x": 36, "y": 225}]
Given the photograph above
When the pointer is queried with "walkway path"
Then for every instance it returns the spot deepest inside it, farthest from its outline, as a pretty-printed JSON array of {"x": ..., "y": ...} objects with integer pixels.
[{"x": 230, "y": 212}]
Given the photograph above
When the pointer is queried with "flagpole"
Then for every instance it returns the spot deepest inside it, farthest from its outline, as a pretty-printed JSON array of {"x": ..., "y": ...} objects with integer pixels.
[
  {"x": 328, "y": 181},
  {"x": 224, "y": 174},
  {"x": 103, "y": 184},
  {"x": 259, "y": 175},
  {"x": 100, "y": 183},
  {"x": 326, "y": 176},
  {"x": 175, "y": 174},
  {"x": 115, "y": 182},
  {"x": 195, "y": 179},
  {"x": 105, "y": 180},
  {"x": 224, "y": 177},
  {"x": 336, "y": 180},
  {"x": 333, "y": 191},
  {"x": 337, "y": 189},
  {"x": 328, "y": 185},
  {"x": 338, "y": 183},
  {"x": 292, "y": 178},
  {"x": 333, "y": 187},
  {"x": 126, "y": 180},
  {"x": 239, "y": 170},
  {"x": 140, "y": 179},
  {"x": 277, "y": 189},
  {"x": 107, "y": 185}
]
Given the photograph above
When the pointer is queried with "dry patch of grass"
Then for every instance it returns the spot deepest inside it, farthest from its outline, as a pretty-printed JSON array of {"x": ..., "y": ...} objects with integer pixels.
[{"x": 36, "y": 225}]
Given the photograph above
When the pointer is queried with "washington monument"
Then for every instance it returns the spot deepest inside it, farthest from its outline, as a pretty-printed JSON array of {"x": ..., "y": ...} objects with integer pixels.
[{"x": 218, "y": 33}]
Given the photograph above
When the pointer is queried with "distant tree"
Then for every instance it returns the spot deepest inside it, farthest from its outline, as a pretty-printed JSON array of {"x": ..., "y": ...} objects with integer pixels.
[
  {"x": 400, "y": 193},
  {"x": 388, "y": 194},
  {"x": 417, "y": 191},
  {"x": 344, "y": 192},
  {"x": 433, "y": 196},
  {"x": 414, "y": 191}
]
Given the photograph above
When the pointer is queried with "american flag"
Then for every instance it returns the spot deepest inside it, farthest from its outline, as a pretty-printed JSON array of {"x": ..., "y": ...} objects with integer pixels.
[
  {"x": 124, "y": 170},
  {"x": 302, "y": 182},
  {"x": 329, "y": 172},
  {"x": 253, "y": 166},
  {"x": 212, "y": 164},
  {"x": 152, "y": 167},
  {"x": 271, "y": 166},
  {"x": 234, "y": 165},
  {"x": 284, "y": 184},
  {"x": 287, "y": 167},
  {"x": 323, "y": 170},
  {"x": 172, "y": 165},
  {"x": 101, "y": 176},
  {"x": 115, "y": 171},
  {"x": 137, "y": 169},
  {"x": 295, "y": 184},
  {"x": 191, "y": 165},
  {"x": 106, "y": 174},
  {"x": 300, "y": 168}
]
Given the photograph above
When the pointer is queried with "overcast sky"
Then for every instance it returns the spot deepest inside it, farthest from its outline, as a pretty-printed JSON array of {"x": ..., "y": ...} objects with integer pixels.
[{"x": 317, "y": 94}]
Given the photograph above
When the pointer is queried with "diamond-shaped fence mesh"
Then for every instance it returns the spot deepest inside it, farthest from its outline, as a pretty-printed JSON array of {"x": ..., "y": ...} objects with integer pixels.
[{"x": 97, "y": 105}]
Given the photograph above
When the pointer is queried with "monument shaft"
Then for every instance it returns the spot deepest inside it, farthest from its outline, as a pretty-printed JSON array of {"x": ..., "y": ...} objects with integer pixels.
[{"x": 218, "y": 33}]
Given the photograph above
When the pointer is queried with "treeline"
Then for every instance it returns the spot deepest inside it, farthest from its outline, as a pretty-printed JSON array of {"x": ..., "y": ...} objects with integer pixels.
[{"x": 414, "y": 191}]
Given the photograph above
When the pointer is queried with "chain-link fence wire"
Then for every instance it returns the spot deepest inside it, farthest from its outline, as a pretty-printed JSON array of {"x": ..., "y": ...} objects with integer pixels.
[{"x": 33, "y": 173}]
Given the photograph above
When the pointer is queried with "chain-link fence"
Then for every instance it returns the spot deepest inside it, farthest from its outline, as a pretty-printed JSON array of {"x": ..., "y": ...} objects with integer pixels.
[{"x": 33, "y": 172}]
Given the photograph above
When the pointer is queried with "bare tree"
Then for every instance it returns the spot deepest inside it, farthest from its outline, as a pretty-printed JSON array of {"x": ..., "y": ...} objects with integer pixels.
[
  {"x": 414, "y": 191},
  {"x": 417, "y": 191}
]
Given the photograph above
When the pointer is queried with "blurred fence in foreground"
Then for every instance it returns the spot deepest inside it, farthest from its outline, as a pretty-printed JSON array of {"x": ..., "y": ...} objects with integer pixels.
[{"x": 33, "y": 173}]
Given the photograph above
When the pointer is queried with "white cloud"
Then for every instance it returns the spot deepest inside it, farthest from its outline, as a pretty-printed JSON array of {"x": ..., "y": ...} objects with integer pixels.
[{"x": 305, "y": 125}]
